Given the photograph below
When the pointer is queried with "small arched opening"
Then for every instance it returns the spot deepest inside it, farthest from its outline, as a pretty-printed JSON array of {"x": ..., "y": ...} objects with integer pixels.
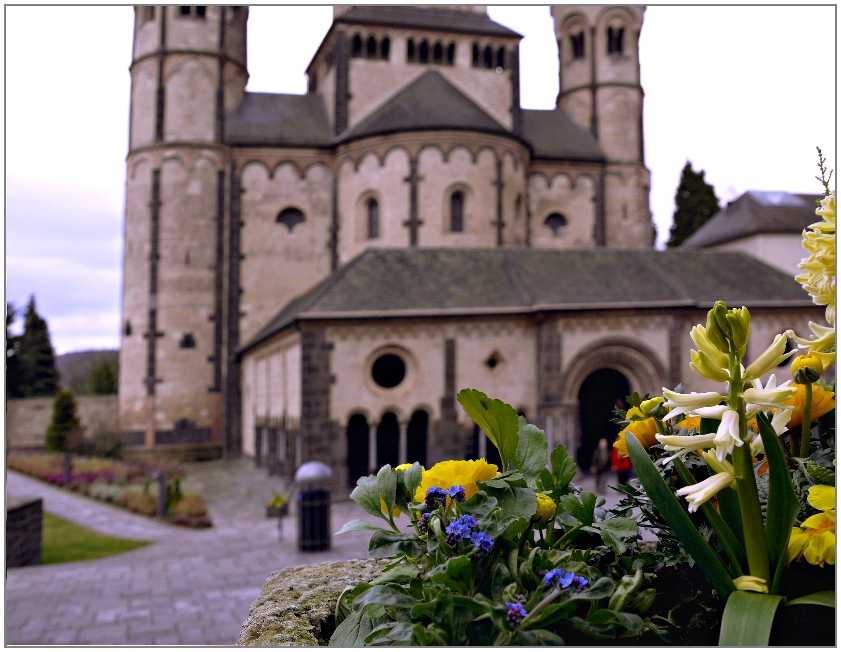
[
  {"x": 388, "y": 441},
  {"x": 356, "y": 46},
  {"x": 423, "y": 52},
  {"x": 373, "y": 214},
  {"x": 475, "y": 55},
  {"x": 371, "y": 48},
  {"x": 385, "y": 48},
  {"x": 600, "y": 393},
  {"x": 416, "y": 437},
  {"x": 290, "y": 218},
  {"x": 489, "y": 57},
  {"x": 500, "y": 58},
  {"x": 357, "y": 448},
  {"x": 451, "y": 54},
  {"x": 438, "y": 53},
  {"x": 410, "y": 50},
  {"x": 457, "y": 212}
]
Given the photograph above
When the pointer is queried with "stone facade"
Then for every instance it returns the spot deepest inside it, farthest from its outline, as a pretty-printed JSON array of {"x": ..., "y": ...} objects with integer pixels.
[
  {"x": 209, "y": 256},
  {"x": 23, "y": 531}
]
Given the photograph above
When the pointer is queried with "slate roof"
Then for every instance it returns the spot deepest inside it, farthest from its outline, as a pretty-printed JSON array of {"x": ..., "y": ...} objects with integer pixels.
[
  {"x": 425, "y": 18},
  {"x": 554, "y": 135},
  {"x": 455, "y": 282},
  {"x": 429, "y": 102},
  {"x": 265, "y": 119},
  {"x": 756, "y": 212}
]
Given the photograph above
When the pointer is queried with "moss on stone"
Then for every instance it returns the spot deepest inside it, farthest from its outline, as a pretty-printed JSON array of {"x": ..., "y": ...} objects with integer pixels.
[{"x": 296, "y": 606}]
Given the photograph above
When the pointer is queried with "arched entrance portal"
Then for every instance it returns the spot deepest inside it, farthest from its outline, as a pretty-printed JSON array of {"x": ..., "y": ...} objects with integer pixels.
[
  {"x": 388, "y": 441},
  {"x": 597, "y": 397},
  {"x": 416, "y": 438},
  {"x": 357, "y": 448}
]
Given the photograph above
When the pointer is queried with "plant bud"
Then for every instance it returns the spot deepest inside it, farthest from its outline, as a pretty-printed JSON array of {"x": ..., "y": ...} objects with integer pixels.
[
  {"x": 650, "y": 406},
  {"x": 715, "y": 334},
  {"x": 720, "y": 316},
  {"x": 806, "y": 368}
]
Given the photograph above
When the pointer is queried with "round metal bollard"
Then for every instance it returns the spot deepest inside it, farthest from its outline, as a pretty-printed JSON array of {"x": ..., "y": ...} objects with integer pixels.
[{"x": 313, "y": 500}]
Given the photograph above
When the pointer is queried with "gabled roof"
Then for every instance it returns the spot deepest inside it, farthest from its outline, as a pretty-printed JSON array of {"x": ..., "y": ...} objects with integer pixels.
[
  {"x": 467, "y": 22},
  {"x": 554, "y": 135},
  {"x": 756, "y": 212},
  {"x": 272, "y": 119},
  {"x": 428, "y": 102},
  {"x": 421, "y": 282}
]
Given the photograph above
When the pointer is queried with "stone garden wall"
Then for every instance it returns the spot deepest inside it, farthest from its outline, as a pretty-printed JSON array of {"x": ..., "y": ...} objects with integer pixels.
[
  {"x": 23, "y": 531},
  {"x": 27, "y": 419}
]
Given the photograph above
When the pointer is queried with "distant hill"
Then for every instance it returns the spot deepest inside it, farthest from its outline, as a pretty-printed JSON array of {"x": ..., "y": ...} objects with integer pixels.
[{"x": 75, "y": 368}]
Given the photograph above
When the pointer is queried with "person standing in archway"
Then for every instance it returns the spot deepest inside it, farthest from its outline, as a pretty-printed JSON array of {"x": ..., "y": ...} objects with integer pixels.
[{"x": 600, "y": 464}]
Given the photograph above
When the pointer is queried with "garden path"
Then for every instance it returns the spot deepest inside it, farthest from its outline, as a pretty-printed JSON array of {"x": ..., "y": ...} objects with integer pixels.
[{"x": 192, "y": 587}]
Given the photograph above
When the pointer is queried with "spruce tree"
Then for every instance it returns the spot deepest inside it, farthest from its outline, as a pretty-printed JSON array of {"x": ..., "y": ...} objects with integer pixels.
[
  {"x": 36, "y": 355},
  {"x": 14, "y": 381},
  {"x": 103, "y": 377},
  {"x": 695, "y": 204},
  {"x": 64, "y": 422}
]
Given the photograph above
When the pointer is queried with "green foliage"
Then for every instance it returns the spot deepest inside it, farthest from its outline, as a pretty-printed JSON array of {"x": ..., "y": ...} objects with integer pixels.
[
  {"x": 64, "y": 422},
  {"x": 453, "y": 571},
  {"x": 35, "y": 356},
  {"x": 14, "y": 373},
  {"x": 103, "y": 377},
  {"x": 695, "y": 204}
]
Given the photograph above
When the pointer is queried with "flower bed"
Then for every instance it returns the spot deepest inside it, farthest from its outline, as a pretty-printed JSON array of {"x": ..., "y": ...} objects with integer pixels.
[{"x": 125, "y": 484}]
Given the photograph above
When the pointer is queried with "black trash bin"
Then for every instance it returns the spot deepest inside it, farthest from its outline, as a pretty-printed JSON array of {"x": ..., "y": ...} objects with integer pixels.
[
  {"x": 313, "y": 503},
  {"x": 314, "y": 520}
]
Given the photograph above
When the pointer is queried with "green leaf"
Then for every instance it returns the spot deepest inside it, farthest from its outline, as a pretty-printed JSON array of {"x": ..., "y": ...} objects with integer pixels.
[
  {"x": 532, "y": 449},
  {"x": 344, "y": 605},
  {"x": 412, "y": 479},
  {"x": 709, "y": 426},
  {"x": 728, "y": 503},
  {"x": 783, "y": 504},
  {"x": 563, "y": 467},
  {"x": 553, "y": 613},
  {"x": 479, "y": 504},
  {"x": 733, "y": 548},
  {"x": 387, "y": 486},
  {"x": 601, "y": 617},
  {"x": 444, "y": 613},
  {"x": 675, "y": 515},
  {"x": 536, "y": 637},
  {"x": 388, "y": 544},
  {"x": 455, "y": 574},
  {"x": 629, "y": 621},
  {"x": 580, "y": 507},
  {"x": 614, "y": 530},
  {"x": 822, "y": 598},
  {"x": 748, "y": 618},
  {"x": 367, "y": 496},
  {"x": 500, "y": 578},
  {"x": 601, "y": 588},
  {"x": 357, "y": 525},
  {"x": 602, "y": 632},
  {"x": 497, "y": 420},
  {"x": 389, "y": 595},
  {"x": 400, "y": 574},
  {"x": 352, "y": 630},
  {"x": 471, "y": 603}
]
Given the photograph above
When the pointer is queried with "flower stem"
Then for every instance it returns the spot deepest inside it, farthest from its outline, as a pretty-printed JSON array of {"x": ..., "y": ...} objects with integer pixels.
[
  {"x": 549, "y": 599},
  {"x": 754, "y": 530},
  {"x": 806, "y": 432}
]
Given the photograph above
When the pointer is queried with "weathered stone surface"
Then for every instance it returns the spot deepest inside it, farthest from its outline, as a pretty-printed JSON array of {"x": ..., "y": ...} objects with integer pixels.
[{"x": 297, "y": 604}]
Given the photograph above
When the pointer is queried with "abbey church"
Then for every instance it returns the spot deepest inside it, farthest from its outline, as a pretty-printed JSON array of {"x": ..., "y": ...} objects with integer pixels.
[{"x": 332, "y": 268}]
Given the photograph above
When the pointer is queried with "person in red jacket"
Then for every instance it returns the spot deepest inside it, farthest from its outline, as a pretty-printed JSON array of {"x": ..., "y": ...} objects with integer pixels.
[{"x": 620, "y": 464}]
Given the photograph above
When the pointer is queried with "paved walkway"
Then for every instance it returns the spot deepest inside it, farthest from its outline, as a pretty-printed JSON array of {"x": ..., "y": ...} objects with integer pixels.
[{"x": 191, "y": 587}]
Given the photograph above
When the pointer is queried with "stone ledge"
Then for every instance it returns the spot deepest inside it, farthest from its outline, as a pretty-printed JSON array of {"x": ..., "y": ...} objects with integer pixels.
[{"x": 296, "y": 606}]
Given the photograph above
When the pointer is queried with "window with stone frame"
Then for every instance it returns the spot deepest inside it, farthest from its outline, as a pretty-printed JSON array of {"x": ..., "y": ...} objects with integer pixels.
[
  {"x": 371, "y": 47},
  {"x": 372, "y": 211},
  {"x": 411, "y": 51},
  {"x": 451, "y": 54},
  {"x": 385, "y": 48},
  {"x": 290, "y": 217},
  {"x": 556, "y": 222},
  {"x": 615, "y": 40},
  {"x": 423, "y": 52},
  {"x": 356, "y": 46},
  {"x": 500, "y": 58},
  {"x": 438, "y": 53},
  {"x": 475, "y": 57},
  {"x": 577, "y": 43},
  {"x": 457, "y": 212}
]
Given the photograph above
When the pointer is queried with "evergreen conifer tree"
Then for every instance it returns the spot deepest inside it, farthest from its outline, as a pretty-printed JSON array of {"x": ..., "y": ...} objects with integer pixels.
[
  {"x": 695, "y": 204},
  {"x": 14, "y": 382},
  {"x": 39, "y": 375},
  {"x": 103, "y": 377},
  {"x": 64, "y": 422}
]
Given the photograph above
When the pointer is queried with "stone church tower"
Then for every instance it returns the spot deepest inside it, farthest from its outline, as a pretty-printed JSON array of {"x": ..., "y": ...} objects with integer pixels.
[
  {"x": 188, "y": 70},
  {"x": 411, "y": 136}
]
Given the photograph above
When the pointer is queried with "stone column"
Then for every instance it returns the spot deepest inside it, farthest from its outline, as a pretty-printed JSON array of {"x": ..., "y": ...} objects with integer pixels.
[
  {"x": 372, "y": 448},
  {"x": 567, "y": 430},
  {"x": 402, "y": 449}
]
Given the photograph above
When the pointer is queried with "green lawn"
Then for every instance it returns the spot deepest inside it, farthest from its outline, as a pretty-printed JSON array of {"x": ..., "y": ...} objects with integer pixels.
[{"x": 63, "y": 541}]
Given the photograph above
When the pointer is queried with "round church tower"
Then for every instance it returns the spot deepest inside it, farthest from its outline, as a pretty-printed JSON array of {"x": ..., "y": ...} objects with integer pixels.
[
  {"x": 600, "y": 88},
  {"x": 188, "y": 71}
]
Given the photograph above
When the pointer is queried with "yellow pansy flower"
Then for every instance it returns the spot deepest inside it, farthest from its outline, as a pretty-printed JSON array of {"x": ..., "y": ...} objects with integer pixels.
[
  {"x": 451, "y": 473},
  {"x": 546, "y": 508},
  {"x": 814, "y": 540}
]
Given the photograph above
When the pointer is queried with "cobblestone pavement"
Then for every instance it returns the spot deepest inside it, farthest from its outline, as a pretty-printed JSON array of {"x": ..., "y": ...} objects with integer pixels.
[{"x": 191, "y": 587}]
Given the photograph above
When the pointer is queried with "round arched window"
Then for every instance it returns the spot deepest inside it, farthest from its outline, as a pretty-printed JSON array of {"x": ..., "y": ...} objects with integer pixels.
[
  {"x": 388, "y": 370},
  {"x": 556, "y": 222}
]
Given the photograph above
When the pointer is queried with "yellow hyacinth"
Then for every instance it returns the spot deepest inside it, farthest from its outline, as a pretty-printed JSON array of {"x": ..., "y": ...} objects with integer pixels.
[
  {"x": 452, "y": 473},
  {"x": 814, "y": 540},
  {"x": 545, "y": 509}
]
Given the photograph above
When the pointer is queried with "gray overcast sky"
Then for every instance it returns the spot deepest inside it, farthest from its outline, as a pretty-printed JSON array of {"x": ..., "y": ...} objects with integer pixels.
[{"x": 745, "y": 93}]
